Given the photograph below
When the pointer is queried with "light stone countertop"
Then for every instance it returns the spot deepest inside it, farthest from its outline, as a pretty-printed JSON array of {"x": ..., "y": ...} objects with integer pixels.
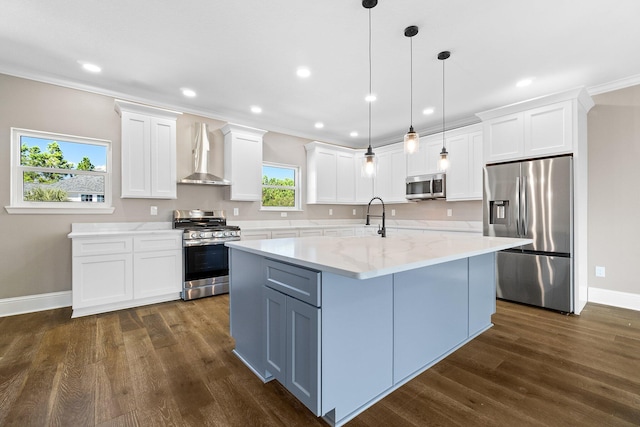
[
  {"x": 434, "y": 225},
  {"x": 373, "y": 256},
  {"x": 86, "y": 229}
]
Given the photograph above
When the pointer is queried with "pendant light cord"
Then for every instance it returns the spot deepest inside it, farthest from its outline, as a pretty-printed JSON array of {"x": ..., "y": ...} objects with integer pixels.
[
  {"x": 443, "y": 102},
  {"x": 370, "y": 102},
  {"x": 411, "y": 81}
]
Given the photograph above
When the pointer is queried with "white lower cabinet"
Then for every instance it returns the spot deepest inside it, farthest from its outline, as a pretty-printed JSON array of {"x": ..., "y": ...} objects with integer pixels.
[
  {"x": 157, "y": 271},
  {"x": 281, "y": 234},
  {"x": 292, "y": 331},
  {"x": 102, "y": 279},
  {"x": 366, "y": 231},
  {"x": 312, "y": 232},
  {"x": 255, "y": 234},
  {"x": 112, "y": 273},
  {"x": 339, "y": 232}
]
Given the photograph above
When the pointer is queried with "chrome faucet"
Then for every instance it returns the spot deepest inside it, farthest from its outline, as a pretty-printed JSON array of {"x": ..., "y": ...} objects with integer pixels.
[{"x": 381, "y": 231}]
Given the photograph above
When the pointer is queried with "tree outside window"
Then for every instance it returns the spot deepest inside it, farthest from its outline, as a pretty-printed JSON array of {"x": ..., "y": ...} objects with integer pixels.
[
  {"x": 60, "y": 172},
  {"x": 280, "y": 187}
]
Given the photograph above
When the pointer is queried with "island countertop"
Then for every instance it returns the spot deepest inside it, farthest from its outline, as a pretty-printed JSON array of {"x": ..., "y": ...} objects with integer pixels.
[{"x": 372, "y": 256}]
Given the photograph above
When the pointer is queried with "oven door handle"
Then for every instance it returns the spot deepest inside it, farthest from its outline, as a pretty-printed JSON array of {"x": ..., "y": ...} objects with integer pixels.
[{"x": 197, "y": 242}]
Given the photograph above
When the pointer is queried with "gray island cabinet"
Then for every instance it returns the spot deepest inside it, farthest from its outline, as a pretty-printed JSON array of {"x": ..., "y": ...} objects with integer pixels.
[{"x": 343, "y": 321}]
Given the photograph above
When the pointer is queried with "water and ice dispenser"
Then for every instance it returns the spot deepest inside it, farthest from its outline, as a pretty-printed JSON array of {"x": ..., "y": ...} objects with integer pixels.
[{"x": 499, "y": 212}]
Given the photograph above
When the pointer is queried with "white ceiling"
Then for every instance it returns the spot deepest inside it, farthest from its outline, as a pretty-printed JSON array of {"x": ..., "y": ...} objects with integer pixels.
[{"x": 236, "y": 54}]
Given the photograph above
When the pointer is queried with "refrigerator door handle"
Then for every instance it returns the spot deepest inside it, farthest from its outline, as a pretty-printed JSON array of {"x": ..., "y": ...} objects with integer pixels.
[
  {"x": 524, "y": 215},
  {"x": 518, "y": 205}
]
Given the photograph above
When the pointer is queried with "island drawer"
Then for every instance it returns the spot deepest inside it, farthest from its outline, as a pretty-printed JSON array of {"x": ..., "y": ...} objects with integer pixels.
[{"x": 300, "y": 283}]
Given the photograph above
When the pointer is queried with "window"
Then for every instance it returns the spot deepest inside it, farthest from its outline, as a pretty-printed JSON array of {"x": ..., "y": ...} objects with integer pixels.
[
  {"x": 280, "y": 187},
  {"x": 54, "y": 173}
]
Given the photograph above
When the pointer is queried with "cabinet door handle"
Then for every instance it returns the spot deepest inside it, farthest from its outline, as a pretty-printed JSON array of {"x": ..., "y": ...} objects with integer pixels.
[
  {"x": 524, "y": 207},
  {"x": 518, "y": 205}
]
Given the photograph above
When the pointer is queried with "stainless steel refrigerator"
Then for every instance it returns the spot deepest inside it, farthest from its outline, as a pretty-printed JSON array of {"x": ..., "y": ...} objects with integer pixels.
[{"x": 533, "y": 199}]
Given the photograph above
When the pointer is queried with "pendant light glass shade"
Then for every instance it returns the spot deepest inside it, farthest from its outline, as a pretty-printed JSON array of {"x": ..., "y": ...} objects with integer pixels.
[
  {"x": 411, "y": 138},
  {"x": 443, "y": 164},
  {"x": 411, "y": 141},
  {"x": 369, "y": 163},
  {"x": 369, "y": 168}
]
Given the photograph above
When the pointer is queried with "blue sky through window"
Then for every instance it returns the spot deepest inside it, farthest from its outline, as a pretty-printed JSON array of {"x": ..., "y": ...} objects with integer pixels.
[
  {"x": 279, "y": 173},
  {"x": 73, "y": 151}
]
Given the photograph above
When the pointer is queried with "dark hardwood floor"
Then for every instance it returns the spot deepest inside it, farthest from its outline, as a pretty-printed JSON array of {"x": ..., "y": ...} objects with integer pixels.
[{"x": 171, "y": 364}]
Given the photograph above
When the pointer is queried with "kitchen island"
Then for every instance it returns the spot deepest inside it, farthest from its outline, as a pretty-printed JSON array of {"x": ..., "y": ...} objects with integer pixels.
[{"x": 343, "y": 321}]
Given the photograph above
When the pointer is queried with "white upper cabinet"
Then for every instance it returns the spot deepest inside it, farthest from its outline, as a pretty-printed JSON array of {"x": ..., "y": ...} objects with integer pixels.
[
  {"x": 426, "y": 159},
  {"x": 548, "y": 130},
  {"x": 364, "y": 184},
  {"x": 539, "y": 127},
  {"x": 331, "y": 174},
  {"x": 433, "y": 148},
  {"x": 243, "y": 161},
  {"x": 464, "y": 176},
  {"x": 345, "y": 177},
  {"x": 504, "y": 137},
  {"x": 148, "y": 151},
  {"x": 390, "y": 180}
]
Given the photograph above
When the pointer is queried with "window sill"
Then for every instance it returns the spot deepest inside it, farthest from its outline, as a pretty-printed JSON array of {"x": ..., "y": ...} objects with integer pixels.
[
  {"x": 280, "y": 210},
  {"x": 66, "y": 210}
]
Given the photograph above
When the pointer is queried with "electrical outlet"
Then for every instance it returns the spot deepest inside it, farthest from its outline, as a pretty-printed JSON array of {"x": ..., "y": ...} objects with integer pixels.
[
  {"x": 154, "y": 210},
  {"x": 599, "y": 271},
  {"x": 449, "y": 212},
  {"x": 330, "y": 212},
  {"x": 283, "y": 214},
  {"x": 354, "y": 211},
  {"x": 236, "y": 211},
  {"x": 393, "y": 212}
]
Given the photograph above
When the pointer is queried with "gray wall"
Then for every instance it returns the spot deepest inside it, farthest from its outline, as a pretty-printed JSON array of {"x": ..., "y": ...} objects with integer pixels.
[
  {"x": 614, "y": 194},
  {"x": 35, "y": 253}
]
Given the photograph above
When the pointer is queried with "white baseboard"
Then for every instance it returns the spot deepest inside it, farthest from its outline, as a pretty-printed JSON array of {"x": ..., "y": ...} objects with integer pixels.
[
  {"x": 33, "y": 303},
  {"x": 614, "y": 298},
  {"x": 40, "y": 302}
]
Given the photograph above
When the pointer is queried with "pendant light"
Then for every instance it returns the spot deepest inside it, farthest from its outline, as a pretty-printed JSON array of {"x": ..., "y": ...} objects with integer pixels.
[
  {"x": 369, "y": 161},
  {"x": 411, "y": 138},
  {"x": 444, "y": 161}
]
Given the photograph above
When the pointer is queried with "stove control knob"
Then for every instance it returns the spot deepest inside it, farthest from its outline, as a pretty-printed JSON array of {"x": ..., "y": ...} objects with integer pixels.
[{"x": 194, "y": 235}]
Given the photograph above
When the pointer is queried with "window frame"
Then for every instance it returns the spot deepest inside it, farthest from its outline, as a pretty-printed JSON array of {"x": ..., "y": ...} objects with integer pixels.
[
  {"x": 20, "y": 206},
  {"x": 297, "y": 188}
]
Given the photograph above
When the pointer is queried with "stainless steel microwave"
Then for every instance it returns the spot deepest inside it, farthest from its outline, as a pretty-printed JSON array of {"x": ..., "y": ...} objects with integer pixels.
[{"x": 426, "y": 187}]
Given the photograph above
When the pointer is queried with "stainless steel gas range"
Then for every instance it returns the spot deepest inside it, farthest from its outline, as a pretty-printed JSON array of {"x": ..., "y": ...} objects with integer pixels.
[{"x": 206, "y": 258}]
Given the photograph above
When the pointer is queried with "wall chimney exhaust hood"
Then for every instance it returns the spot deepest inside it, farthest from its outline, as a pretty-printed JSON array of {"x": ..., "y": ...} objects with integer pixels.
[{"x": 201, "y": 173}]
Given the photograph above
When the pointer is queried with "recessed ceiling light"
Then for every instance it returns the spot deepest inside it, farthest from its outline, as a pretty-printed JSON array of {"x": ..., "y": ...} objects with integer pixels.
[
  {"x": 93, "y": 68},
  {"x": 255, "y": 109},
  {"x": 353, "y": 134},
  {"x": 370, "y": 98},
  {"x": 189, "y": 93},
  {"x": 427, "y": 111},
  {"x": 319, "y": 125},
  {"x": 524, "y": 82},
  {"x": 303, "y": 72}
]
